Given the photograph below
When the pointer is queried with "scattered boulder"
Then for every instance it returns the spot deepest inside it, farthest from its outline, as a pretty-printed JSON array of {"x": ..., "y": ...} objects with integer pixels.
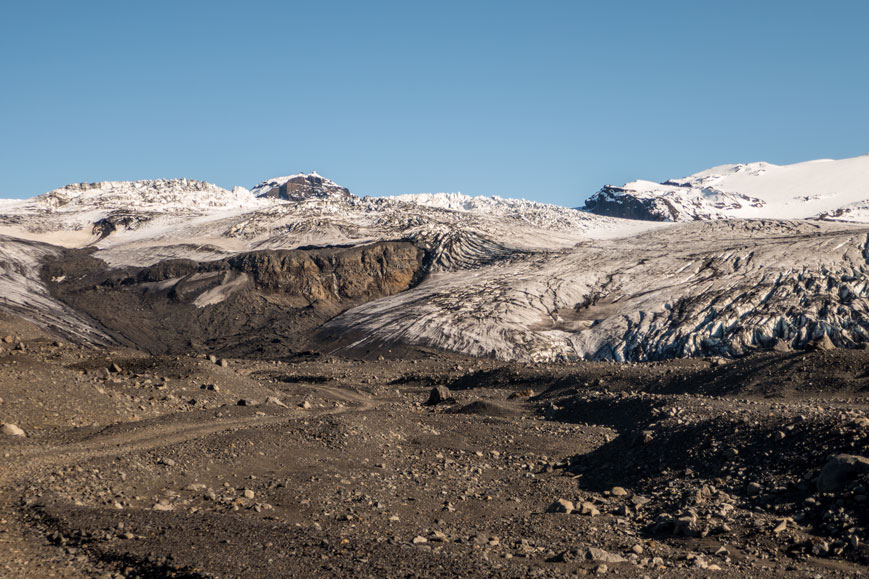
[
  {"x": 601, "y": 556},
  {"x": 822, "y": 343},
  {"x": 276, "y": 401},
  {"x": 10, "y": 429},
  {"x": 781, "y": 526},
  {"x": 438, "y": 395},
  {"x": 587, "y": 508},
  {"x": 685, "y": 525},
  {"x": 589, "y": 554},
  {"x": 781, "y": 346},
  {"x": 560, "y": 506}
]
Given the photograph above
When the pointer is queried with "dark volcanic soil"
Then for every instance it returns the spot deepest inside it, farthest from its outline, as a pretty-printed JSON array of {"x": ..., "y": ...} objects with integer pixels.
[{"x": 179, "y": 465}]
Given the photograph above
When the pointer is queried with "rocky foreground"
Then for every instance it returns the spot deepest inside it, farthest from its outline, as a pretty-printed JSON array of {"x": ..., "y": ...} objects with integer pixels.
[{"x": 118, "y": 464}]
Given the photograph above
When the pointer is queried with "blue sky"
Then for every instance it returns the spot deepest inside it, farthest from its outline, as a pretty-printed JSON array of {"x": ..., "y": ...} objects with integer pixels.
[{"x": 543, "y": 100}]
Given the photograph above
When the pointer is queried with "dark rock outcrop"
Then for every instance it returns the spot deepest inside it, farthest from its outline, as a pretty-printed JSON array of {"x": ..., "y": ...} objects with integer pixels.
[
  {"x": 303, "y": 187},
  {"x": 613, "y": 202},
  {"x": 257, "y": 303}
]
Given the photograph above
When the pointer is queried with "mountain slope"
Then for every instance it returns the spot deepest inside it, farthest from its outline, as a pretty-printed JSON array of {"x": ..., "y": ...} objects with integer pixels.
[{"x": 822, "y": 189}]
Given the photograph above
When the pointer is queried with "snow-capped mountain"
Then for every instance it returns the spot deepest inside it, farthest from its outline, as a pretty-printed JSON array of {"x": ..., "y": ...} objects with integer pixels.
[
  {"x": 144, "y": 223},
  {"x": 165, "y": 195},
  {"x": 488, "y": 276},
  {"x": 519, "y": 210},
  {"x": 141, "y": 222},
  {"x": 822, "y": 189}
]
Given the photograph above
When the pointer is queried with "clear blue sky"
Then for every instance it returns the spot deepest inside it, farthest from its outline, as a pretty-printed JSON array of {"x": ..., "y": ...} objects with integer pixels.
[{"x": 543, "y": 100}]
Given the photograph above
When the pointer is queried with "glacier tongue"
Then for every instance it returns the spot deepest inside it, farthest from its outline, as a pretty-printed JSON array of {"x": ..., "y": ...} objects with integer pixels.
[
  {"x": 701, "y": 289},
  {"x": 24, "y": 293}
]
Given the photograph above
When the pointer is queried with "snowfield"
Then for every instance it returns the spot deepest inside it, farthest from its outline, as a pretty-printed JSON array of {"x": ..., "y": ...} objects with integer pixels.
[{"x": 822, "y": 189}]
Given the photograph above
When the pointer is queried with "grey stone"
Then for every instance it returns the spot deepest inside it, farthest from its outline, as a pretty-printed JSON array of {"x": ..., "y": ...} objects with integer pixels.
[{"x": 601, "y": 556}]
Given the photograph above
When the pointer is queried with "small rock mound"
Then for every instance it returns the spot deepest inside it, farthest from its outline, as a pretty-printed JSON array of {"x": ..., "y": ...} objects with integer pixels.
[{"x": 487, "y": 408}]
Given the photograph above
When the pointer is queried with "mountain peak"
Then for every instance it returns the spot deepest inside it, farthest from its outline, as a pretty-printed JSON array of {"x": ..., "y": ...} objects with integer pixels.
[{"x": 299, "y": 187}]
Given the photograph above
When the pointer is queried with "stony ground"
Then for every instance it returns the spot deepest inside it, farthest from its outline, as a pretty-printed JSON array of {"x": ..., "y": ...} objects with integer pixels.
[{"x": 185, "y": 466}]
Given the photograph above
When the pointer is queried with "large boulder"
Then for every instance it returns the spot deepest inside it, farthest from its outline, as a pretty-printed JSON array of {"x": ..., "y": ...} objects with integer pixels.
[
  {"x": 839, "y": 470},
  {"x": 438, "y": 395}
]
